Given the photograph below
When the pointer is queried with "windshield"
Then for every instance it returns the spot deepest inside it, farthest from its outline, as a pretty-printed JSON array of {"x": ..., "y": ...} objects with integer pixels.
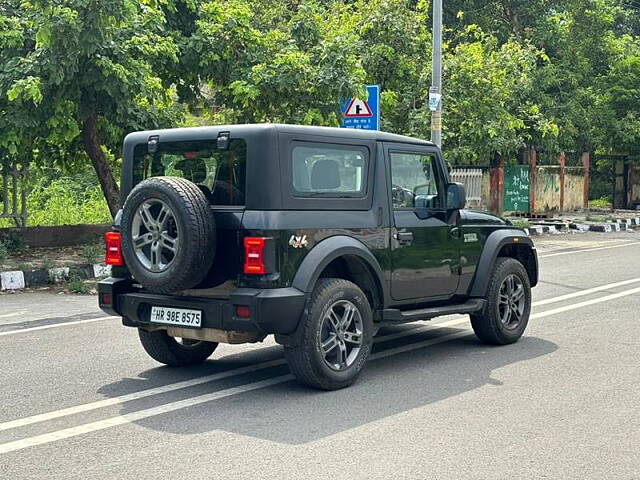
[{"x": 220, "y": 174}]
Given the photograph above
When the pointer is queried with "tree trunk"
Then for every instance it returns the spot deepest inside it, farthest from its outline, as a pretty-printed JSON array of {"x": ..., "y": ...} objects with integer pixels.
[{"x": 100, "y": 163}]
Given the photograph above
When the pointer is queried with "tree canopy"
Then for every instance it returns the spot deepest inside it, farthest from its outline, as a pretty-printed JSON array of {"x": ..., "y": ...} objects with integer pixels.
[{"x": 77, "y": 75}]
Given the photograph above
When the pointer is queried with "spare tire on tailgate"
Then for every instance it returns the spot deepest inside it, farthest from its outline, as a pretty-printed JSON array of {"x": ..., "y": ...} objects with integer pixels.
[{"x": 168, "y": 234}]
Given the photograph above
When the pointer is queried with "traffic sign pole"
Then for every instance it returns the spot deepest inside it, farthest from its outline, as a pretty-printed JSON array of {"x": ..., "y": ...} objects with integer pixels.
[{"x": 435, "y": 93}]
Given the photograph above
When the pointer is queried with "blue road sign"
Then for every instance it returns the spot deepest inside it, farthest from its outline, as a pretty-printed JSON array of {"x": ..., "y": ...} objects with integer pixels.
[{"x": 362, "y": 114}]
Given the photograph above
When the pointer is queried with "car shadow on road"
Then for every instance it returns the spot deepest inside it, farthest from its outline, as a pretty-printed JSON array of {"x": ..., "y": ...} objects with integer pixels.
[
  {"x": 159, "y": 376},
  {"x": 293, "y": 414}
]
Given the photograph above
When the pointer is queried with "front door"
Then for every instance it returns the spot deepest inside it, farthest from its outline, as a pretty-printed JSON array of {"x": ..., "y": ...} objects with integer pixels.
[{"x": 425, "y": 246}]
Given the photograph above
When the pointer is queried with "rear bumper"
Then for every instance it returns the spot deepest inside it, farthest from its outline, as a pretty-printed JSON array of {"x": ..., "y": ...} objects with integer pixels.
[{"x": 275, "y": 310}]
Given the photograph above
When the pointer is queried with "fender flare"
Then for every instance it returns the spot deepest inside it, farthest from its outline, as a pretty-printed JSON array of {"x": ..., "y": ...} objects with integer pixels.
[
  {"x": 494, "y": 243},
  {"x": 328, "y": 250}
]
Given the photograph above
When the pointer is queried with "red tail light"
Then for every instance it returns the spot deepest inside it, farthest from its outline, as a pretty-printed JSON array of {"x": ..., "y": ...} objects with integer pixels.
[
  {"x": 254, "y": 255},
  {"x": 113, "y": 256}
]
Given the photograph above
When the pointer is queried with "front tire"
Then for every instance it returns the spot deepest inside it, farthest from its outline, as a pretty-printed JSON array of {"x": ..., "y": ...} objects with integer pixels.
[
  {"x": 506, "y": 313},
  {"x": 165, "y": 349},
  {"x": 336, "y": 338}
]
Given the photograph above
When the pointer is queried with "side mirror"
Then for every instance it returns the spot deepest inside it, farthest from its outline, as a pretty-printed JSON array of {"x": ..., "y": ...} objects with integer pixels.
[{"x": 456, "y": 196}]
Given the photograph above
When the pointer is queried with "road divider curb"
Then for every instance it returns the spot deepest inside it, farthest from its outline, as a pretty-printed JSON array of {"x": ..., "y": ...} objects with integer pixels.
[
  {"x": 617, "y": 225},
  {"x": 21, "y": 279}
]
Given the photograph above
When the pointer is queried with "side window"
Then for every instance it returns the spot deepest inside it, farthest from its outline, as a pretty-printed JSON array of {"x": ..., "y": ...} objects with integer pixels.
[
  {"x": 325, "y": 170},
  {"x": 414, "y": 180}
]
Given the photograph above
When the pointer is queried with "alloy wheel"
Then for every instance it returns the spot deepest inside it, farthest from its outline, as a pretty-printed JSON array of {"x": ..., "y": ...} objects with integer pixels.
[
  {"x": 511, "y": 302},
  {"x": 341, "y": 335},
  {"x": 155, "y": 235}
]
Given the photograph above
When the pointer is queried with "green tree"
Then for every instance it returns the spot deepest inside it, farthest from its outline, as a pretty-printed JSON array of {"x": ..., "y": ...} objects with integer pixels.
[
  {"x": 75, "y": 75},
  {"x": 489, "y": 106},
  {"x": 267, "y": 60},
  {"x": 395, "y": 46}
]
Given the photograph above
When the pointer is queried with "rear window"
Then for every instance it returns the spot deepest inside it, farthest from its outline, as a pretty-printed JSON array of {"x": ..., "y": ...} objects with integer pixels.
[
  {"x": 329, "y": 170},
  {"x": 220, "y": 174}
]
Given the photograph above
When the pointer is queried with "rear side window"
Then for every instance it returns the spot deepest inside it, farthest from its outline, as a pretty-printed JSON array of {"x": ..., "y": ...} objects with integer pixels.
[
  {"x": 327, "y": 170},
  {"x": 220, "y": 174}
]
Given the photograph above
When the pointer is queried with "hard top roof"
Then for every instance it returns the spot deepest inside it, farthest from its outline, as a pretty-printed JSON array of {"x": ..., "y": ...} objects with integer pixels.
[{"x": 212, "y": 131}]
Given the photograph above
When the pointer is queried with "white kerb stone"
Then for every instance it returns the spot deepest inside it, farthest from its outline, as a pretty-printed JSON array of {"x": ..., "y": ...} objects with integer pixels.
[{"x": 13, "y": 280}]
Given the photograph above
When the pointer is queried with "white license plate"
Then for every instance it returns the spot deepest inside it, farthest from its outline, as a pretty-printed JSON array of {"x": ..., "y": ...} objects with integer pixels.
[{"x": 176, "y": 316}]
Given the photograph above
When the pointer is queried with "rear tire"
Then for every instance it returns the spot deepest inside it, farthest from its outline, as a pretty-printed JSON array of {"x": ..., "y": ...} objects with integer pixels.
[
  {"x": 336, "y": 339},
  {"x": 165, "y": 349},
  {"x": 504, "y": 319}
]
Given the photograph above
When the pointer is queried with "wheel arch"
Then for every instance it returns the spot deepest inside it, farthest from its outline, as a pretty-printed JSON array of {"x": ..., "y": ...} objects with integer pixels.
[
  {"x": 510, "y": 243},
  {"x": 342, "y": 257}
]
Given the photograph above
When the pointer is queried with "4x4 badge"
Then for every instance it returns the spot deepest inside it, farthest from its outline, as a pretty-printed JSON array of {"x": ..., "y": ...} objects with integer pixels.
[{"x": 298, "y": 242}]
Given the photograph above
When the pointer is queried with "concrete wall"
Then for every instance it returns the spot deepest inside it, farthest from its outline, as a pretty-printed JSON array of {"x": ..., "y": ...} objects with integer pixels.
[
  {"x": 59, "y": 236},
  {"x": 547, "y": 189},
  {"x": 486, "y": 190},
  {"x": 555, "y": 188},
  {"x": 573, "y": 188},
  {"x": 550, "y": 197}
]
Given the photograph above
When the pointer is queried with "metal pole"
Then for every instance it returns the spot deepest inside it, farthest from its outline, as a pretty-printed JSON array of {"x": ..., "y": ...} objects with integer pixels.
[{"x": 436, "y": 88}]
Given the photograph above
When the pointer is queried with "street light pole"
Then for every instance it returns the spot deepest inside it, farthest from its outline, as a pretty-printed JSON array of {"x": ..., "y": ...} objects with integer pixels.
[{"x": 435, "y": 92}]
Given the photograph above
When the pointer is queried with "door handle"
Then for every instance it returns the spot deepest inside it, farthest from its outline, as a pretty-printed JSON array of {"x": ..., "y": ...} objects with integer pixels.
[
  {"x": 455, "y": 232},
  {"x": 404, "y": 238}
]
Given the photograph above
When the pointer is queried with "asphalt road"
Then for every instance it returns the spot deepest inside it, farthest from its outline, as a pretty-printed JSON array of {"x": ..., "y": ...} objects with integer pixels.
[{"x": 80, "y": 399}]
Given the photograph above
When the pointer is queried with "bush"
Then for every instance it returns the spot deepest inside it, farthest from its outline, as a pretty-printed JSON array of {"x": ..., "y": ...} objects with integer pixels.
[
  {"x": 13, "y": 242},
  {"x": 602, "y": 202},
  {"x": 93, "y": 253},
  {"x": 63, "y": 203},
  {"x": 77, "y": 285},
  {"x": 56, "y": 198},
  {"x": 4, "y": 252}
]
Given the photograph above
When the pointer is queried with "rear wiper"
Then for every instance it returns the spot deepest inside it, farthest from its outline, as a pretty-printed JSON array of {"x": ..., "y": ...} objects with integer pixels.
[{"x": 325, "y": 195}]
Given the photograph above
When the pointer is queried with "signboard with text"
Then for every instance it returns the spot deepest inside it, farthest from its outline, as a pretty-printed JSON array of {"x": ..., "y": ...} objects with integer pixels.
[{"x": 362, "y": 114}]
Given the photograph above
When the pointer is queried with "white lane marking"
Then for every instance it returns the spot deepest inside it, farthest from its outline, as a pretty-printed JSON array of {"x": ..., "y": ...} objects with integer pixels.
[
  {"x": 13, "y": 314},
  {"x": 136, "y": 416},
  {"x": 43, "y": 417},
  {"x": 417, "y": 345},
  {"x": 430, "y": 326},
  {"x": 190, "y": 402},
  {"x": 197, "y": 400},
  {"x": 535, "y": 304},
  {"x": 54, "y": 325},
  {"x": 582, "y": 293},
  {"x": 589, "y": 250},
  {"x": 586, "y": 303}
]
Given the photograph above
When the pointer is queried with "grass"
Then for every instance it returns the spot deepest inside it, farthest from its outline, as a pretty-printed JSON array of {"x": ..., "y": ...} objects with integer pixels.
[
  {"x": 48, "y": 264},
  {"x": 521, "y": 223},
  {"x": 77, "y": 285},
  {"x": 57, "y": 198},
  {"x": 602, "y": 202}
]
